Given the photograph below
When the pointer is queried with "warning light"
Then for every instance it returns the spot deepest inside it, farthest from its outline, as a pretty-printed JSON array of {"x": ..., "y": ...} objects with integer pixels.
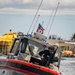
[
  {"x": 29, "y": 35},
  {"x": 44, "y": 41}
]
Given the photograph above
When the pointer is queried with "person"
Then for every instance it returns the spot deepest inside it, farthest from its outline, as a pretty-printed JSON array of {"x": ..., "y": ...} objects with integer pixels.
[{"x": 45, "y": 56}]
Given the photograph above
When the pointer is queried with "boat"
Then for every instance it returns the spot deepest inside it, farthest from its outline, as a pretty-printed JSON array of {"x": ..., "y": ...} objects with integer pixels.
[
  {"x": 6, "y": 41},
  {"x": 67, "y": 53},
  {"x": 24, "y": 58}
]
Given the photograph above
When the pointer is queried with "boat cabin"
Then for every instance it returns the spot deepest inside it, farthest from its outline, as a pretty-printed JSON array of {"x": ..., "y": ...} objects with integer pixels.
[{"x": 27, "y": 49}]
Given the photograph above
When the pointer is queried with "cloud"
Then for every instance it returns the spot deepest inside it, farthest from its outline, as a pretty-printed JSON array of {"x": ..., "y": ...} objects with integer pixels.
[{"x": 30, "y": 6}]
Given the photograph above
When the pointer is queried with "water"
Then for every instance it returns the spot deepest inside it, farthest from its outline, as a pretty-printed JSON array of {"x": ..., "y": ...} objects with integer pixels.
[{"x": 67, "y": 66}]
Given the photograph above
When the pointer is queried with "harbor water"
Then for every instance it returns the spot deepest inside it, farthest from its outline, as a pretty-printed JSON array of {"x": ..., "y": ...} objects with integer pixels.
[{"x": 67, "y": 66}]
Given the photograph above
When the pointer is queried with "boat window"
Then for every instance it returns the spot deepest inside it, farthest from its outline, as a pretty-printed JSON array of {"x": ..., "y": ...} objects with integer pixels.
[
  {"x": 27, "y": 50},
  {"x": 23, "y": 45},
  {"x": 19, "y": 45},
  {"x": 35, "y": 47},
  {"x": 15, "y": 45}
]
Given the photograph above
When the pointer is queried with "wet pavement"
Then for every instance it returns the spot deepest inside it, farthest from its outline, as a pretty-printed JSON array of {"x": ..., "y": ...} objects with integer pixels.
[{"x": 67, "y": 66}]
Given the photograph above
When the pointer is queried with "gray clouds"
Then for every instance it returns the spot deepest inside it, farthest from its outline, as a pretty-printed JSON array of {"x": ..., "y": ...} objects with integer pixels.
[
  {"x": 20, "y": 4},
  {"x": 47, "y": 5}
]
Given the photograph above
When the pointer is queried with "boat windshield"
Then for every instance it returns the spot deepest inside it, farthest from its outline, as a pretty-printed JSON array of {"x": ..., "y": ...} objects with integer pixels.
[
  {"x": 15, "y": 45},
  {"x": 34, "y": 47},
  {"x": 23, "y": 46}
]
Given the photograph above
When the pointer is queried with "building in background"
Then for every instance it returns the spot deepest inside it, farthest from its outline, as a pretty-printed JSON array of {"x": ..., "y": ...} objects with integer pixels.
[{"x": 65, "y": 45}]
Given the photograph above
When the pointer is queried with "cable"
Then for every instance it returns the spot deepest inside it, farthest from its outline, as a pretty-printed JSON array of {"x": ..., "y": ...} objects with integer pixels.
[
  {"x": 35, "y": 24},
  {"x": 53, "y": 19},
  {"x": 35, "y": 16}
]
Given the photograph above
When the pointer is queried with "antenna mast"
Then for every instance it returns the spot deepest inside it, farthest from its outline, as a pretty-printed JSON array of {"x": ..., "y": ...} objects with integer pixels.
[
  {"x": 35, "y": 16},
  {"x": 42, "y": 23},
  {"x": 35, "y": 24},
  {"x": 49, "y": 21},
  {"x": 53, "y": 18}
]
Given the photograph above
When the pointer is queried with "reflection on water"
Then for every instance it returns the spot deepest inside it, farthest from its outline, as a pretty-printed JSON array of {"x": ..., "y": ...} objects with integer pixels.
[{"x": 67, "y": 66}]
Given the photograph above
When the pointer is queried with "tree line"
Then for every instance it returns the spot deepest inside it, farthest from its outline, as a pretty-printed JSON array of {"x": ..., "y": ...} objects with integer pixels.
[{"x": 59, "y": 38}]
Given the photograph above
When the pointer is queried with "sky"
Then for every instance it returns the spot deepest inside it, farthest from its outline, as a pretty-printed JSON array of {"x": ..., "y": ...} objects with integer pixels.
[{"x": 18, "y": 16}]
